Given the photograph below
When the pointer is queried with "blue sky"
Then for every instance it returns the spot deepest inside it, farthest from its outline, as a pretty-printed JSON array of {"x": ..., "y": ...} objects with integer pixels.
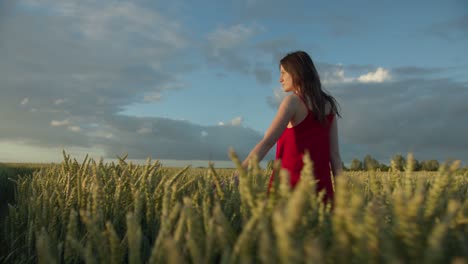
[{"x": 185, "y": 80}]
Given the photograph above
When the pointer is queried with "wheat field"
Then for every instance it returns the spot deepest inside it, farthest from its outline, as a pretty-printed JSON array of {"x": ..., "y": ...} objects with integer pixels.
[{"x": 94, "y": 212}]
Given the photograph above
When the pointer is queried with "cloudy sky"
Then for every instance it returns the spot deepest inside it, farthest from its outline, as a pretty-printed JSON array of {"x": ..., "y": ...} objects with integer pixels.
[{"x": 185, "y": 80}]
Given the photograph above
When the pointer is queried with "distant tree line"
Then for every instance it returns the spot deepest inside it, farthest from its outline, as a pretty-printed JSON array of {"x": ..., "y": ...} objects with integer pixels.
[{"x": 398, "y": 163}]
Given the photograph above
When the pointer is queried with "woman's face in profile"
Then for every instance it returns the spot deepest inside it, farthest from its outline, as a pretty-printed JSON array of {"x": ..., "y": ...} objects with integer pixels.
[{"x": 286, "y": 80}]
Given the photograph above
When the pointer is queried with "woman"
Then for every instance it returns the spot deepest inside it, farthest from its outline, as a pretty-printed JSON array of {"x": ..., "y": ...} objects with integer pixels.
[{"x": 305, "y": 121}]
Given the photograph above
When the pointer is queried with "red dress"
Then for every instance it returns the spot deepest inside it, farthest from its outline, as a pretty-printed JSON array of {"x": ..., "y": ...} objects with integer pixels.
[{"x": 309, "y": 135}]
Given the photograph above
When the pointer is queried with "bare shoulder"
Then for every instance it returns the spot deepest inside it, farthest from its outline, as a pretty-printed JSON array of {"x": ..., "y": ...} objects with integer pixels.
[{"x": 291, "y": 100}]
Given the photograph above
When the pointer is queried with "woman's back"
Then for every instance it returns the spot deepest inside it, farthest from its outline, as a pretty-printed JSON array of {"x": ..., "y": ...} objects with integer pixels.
[
  {"x": 303, "y": 110},
  {"x": 307, "y": 134}
]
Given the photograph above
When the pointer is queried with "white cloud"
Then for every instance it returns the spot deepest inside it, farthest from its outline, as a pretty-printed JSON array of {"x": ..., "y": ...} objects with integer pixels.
[
  {"x": 237, "y": 121},
  {"x": 109, "y": 20},
  {"x": 144, "y": 130},
  {"x": 59, "y": 123},
  {"x": 152, "y": 97},
  {"x": 101, "y": 134},
  {"x": 74, "y": 128},
  {"x": 228, "y": 38},
  {"x": 25, "y": 101},
  {"x": 336, "y": 75},
  {"x": 380, "y": 75},
  {"x": 59, "y": 101}
]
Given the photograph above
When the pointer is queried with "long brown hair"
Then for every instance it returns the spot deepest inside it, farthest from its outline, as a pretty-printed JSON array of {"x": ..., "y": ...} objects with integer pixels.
[{"x": 307, "y": 81}]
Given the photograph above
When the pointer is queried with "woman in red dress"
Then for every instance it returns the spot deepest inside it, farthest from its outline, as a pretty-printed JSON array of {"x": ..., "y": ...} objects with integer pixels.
[{"x": 305, "y": 121}]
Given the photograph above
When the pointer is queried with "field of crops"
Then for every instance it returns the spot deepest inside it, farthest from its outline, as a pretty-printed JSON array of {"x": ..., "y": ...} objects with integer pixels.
[{"x": 94, "y": 212}]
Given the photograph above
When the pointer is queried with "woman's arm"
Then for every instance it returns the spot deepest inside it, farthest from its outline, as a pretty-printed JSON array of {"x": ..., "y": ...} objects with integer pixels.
[
  {"x": 335, "y": 158},
  {"x": 286, "y": 112}
]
